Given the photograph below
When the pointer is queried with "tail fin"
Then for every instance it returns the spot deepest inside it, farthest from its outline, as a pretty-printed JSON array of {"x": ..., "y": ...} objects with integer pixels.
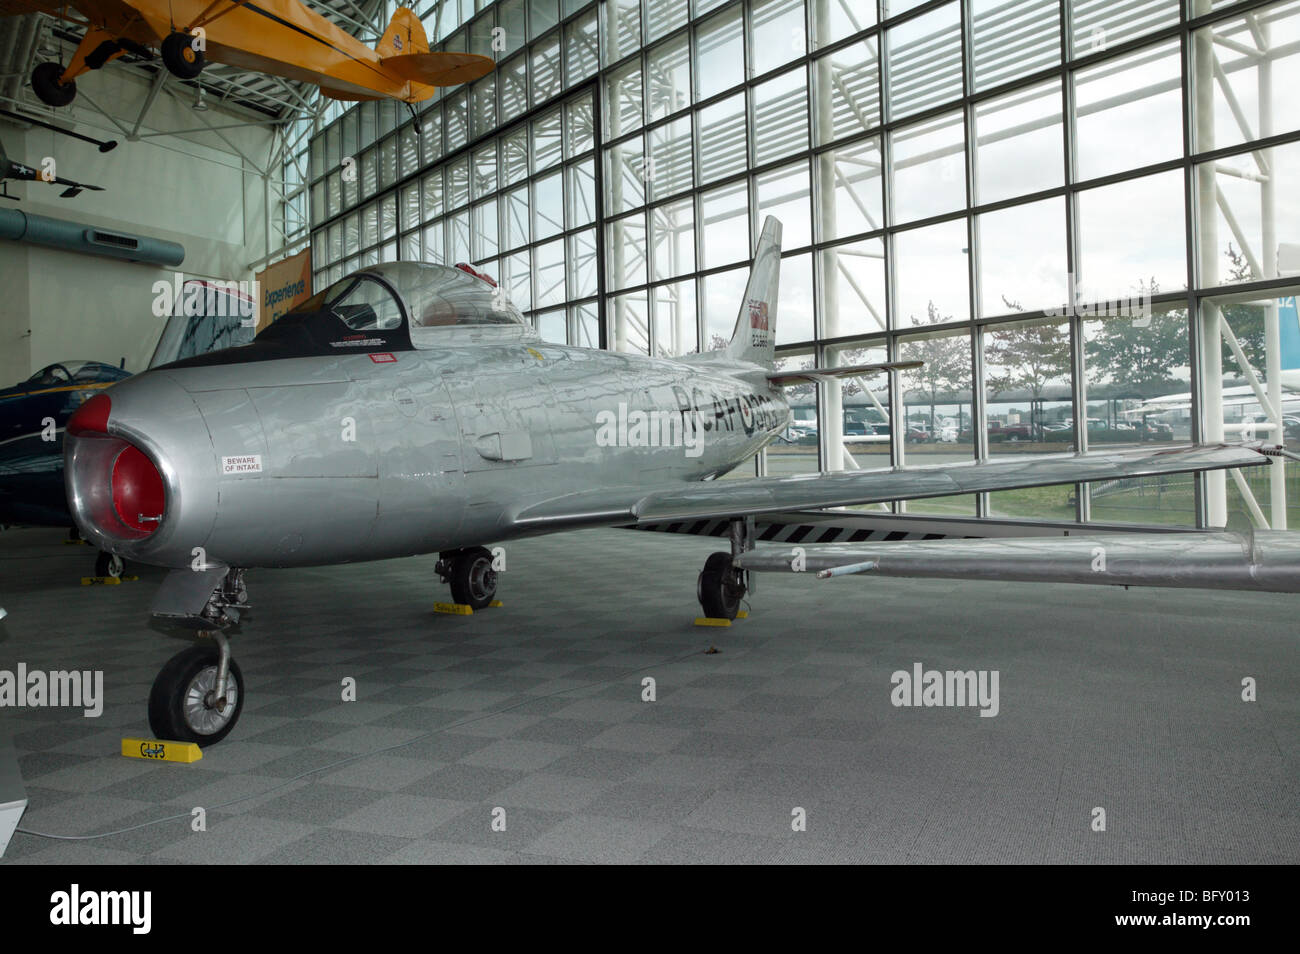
[
  {"x": 405, "y": 34},
  {"x": 754, "y": 339}
]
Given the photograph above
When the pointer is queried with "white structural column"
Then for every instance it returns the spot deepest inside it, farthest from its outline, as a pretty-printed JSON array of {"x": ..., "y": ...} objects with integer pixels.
[
  {"x": 831, "y": 418},
  {"x": 1211, "y": 358},
  {"x": 1268, "y": 261}
]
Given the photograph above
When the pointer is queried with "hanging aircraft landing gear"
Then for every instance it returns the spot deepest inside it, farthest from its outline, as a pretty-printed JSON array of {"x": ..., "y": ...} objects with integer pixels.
[
  {"x": 470, "y": 573},
  {"x": 198, "y": 695},
  {"x": 180, "y": 57},
  {"x": 721, "y": 586},
  {"x": 48, "y": 86},
  {"x": 109, "y": 564}
]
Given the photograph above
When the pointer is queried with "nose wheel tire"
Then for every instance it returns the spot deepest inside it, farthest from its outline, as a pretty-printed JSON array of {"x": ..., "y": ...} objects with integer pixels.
[
  {"x": 109, "y": 564},
  {"x": 473, "y": 581},
  {"x": 720, "y": 587},
  {"x": 48, "y": 89},
  {"x": 180, "y": 57},
  {"x": 182, "y": 704}
]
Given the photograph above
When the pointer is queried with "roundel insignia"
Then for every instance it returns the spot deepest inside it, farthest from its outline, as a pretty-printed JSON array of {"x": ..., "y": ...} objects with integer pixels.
[
  {"x": 397, "y": 42},
  {"x": 746, "y": 413}
]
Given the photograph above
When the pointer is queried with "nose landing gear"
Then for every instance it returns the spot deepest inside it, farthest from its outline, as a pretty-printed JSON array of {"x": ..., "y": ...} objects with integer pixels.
[{"x": 199, "y": 694}]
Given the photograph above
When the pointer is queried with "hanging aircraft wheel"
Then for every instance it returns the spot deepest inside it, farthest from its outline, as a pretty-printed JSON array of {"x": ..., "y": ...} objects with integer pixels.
[
  {"x": 473, "y": 581},
  {"x": 48, "y": 89},
  {"x": 108, "y": 564},
  {"x": 180, "y": 57},
  {"x": 181, "y": 704},
  {"x": 720, "y": 587}
]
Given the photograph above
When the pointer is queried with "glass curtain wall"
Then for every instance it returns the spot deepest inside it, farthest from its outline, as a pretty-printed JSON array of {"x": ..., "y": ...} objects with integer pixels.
[{"x": 1083, "y": 216}]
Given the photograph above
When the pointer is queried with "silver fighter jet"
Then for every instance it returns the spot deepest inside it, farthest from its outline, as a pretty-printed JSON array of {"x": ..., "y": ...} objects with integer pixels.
[{"x": 410, "y": 409}]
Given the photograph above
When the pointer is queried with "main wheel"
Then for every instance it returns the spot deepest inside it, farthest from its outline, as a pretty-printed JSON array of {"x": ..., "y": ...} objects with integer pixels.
[
  {"x": 108, "y": 564},
  {"x": 180, "y": 57},
  {"x": 720, "y": 587},
  {"x": 182, "y": 707},
  {"x": 473, "y": 581},
  {"x": 48, "y": 89}
]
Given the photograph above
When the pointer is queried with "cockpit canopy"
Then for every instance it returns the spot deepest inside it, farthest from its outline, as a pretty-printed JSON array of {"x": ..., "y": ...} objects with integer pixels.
[{"x": 432, "y": 299}]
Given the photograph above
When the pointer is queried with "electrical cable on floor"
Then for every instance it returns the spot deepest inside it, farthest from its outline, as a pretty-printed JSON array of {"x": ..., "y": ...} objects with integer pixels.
[{"x": 364, "y": 755}]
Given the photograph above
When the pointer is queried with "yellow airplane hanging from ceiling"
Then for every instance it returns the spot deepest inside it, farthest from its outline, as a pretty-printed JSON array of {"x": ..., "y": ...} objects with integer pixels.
[{"x": 280, "y": 37}]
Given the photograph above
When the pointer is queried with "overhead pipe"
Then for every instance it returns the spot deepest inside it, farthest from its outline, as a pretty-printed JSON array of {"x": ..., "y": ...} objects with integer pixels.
[{"x": 19, "y": 226}]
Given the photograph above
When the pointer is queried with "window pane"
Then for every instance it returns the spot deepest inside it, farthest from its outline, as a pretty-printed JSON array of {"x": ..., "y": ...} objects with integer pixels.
[
  {"x": 1019, "y": 149},
  {"x": 725, "y": 226},
  {"x": 1245, "y": 186},
  {"x": 1136, "y": 101},
  {"x": 849, "y": 177},
  {"x": 785, "y": 193},
  {"x": 781, "y": 116},
  {"x": 850, "y": 91},
  {"x": 1231, "y": 65},
  {"x": 546, "y": 70},
  {"x": 622, "y": 33},
  {"x": 1126, "y": 244},
  {"x": 937, "y": 397},
  {"x": 548, "y": 273},
  {"x": 1029, "y": 402},
  {"x": 1096, "y": 26},
  {"x": 626, "y": 250},
  {"x": 623, "y": 100},
  {"x": 629, "y": 316},
  {"x": 925, "y": 61},
  {"x": 581, "y": 184},
  {"x": 853, "y": 288},
  {"x": 664, "y": 16},
  {"x": 581, "y": 263},
  {"x": 675, "y": 332},
  {"x": 581, "y": 48},
  {"x": 722, "y": 294},
  {"x": 673, "y": 233},
  {"x": 548, "y": 147},
  {"x": 625, "y": 175},
  {"x": 929, "y": 168},
  {"x": 931, "y": 281},
  {"x": 1013, "y": 39},
  {"x": 548, "y": 205},
  {"x": 670, "y": 158},
  {"x": 668, "y": 78},
  {"x": 779, "y": 34},
  {"x": 721, "y": 52},
  {"x": 721, "y": 130},
  {"x": 795, "y": 316},
  {"x": 1022, "y": 258}
]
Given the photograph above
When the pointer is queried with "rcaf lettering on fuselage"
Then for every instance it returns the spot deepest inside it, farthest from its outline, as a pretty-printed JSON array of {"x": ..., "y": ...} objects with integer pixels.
[{"x": 748, "y": 412}]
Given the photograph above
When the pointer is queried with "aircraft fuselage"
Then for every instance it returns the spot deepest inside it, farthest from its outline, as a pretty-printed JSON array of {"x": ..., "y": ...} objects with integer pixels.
[{"x": 320, "y": 460}]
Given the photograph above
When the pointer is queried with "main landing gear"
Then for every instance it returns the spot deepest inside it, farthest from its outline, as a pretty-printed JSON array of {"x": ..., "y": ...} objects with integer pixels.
[
  {"x": 471, "y": 575},
  {"x": 199, "y": 694},
  {"x": 721, "y": 585},
  {"x": 56, "y": 86}
]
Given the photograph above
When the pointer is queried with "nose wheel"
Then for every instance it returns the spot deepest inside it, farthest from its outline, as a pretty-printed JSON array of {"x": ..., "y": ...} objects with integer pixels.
[{"x": 189, "y": 703}]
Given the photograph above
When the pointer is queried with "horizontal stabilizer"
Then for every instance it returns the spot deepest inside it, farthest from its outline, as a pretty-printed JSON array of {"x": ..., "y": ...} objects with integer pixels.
[
  {"x": 784, "y": 378},
  {"x": 1267, "y": 561},
  {"x": 438, "y": 69}
]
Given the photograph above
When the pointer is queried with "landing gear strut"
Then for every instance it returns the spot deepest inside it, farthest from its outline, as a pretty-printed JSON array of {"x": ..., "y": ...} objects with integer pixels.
[
  {"x": 721, "y": 585},
  {"x": 470, "y": 573},
  {"x": 199, "y": 694}
]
